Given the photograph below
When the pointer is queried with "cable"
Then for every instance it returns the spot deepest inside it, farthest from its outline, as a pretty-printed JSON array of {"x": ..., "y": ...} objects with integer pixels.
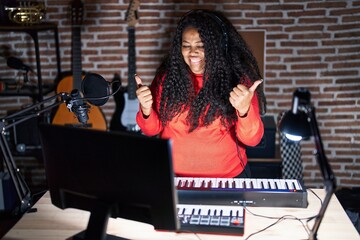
[
  {"x": 278, "y": 220},
  {"x": 321, "y": 202},
  {"x": 285, "y": 217}
]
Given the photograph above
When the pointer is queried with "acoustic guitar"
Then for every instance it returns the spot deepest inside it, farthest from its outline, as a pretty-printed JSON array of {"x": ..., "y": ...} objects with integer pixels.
[
  {"x": 73, "y": 80},
  {"x": 128, "y": 117}
]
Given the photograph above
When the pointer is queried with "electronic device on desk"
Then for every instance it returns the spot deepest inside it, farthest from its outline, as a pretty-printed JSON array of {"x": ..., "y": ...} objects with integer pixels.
[
  {"x": 126, "y": 175},
  {"x": 254, "y": 192}
]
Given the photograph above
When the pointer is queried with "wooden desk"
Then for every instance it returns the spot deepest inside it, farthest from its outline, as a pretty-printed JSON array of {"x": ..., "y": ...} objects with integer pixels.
[{"x": 49, "y": 223}]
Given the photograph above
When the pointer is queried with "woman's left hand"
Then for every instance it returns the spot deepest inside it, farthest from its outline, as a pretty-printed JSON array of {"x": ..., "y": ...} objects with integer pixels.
[{"x": 240, "y": 97}]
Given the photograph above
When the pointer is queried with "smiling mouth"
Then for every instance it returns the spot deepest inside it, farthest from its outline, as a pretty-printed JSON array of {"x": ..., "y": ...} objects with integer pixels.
[{"x": 195, "y": 60}]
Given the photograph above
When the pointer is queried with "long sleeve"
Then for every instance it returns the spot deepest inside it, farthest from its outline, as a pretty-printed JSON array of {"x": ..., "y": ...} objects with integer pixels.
[
  {"x": 250, "y": 129},
  {"x": 208, "y": 151},
  {"x": 151, "y": 125}
]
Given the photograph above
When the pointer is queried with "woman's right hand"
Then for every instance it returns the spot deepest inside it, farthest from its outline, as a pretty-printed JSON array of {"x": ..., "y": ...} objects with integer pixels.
[{"x": 144, "y": 96}]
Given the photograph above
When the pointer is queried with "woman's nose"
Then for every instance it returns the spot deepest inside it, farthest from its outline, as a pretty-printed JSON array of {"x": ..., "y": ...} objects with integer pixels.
[{"x": 193, "y": 49}]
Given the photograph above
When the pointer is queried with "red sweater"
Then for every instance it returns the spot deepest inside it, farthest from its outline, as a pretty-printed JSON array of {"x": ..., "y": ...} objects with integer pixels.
[{"x": 209, "y": 151}]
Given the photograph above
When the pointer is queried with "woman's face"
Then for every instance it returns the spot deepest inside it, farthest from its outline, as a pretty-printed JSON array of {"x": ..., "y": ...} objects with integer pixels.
[{"x": 193, "y": 50}]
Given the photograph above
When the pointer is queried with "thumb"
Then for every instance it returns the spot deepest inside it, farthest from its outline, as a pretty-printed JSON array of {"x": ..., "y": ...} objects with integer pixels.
[
  {"x": 255, "y": 85},
  {"x": 138, "y": 81}
]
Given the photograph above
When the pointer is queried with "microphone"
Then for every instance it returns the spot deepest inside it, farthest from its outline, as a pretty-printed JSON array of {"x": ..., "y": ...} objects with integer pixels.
[
  {"x": 95, "y": 89},
  {"x": 77, "y": 105},
  {"x": 16, "y": 63}
]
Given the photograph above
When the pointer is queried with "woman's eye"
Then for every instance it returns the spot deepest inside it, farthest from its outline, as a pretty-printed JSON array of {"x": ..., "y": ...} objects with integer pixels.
[{"x": 195, "y": 47}]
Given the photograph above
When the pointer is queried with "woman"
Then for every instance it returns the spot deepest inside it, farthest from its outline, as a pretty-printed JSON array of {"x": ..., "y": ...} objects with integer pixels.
[{"x": 204, "y": 98}]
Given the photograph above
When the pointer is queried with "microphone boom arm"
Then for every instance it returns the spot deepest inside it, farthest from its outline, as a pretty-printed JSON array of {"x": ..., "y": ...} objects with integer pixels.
[{"x": 22, "y": 190}]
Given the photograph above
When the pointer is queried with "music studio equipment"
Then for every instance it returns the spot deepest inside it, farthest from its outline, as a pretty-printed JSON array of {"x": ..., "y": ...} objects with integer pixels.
[
  {"x": 26, "y": 12},
  {"x": 266, "y": 147},
  {"x": 24, "y": 137},
  {"x": 119, "y": 98},
  {"x": 97, "y": 182},
  {"x": 18, "y": 64},
  {"x": 73, "y": 80},
  {"x": 22, "y": 191},
  {"x": 77, "y": 105},
  {"x": 96, "y": 90},
  {"x": 128, "y": 117},
  {"x": 254, "y": 192},
  {"x": 212, "y": 219}
]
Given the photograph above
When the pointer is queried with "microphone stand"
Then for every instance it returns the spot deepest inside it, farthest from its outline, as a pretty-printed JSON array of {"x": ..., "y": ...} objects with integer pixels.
[
  {"x": 22, "y": 190},
  {"x": 26, "y": 76},
  {"x": 327, "y": 173}
]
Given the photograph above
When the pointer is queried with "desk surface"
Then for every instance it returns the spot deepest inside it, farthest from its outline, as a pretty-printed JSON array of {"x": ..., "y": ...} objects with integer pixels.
[{"x": 50, "y": 222}]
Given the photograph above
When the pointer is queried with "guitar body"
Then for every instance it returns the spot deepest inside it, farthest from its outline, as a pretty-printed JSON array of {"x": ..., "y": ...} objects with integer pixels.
[
  {"x": 73, "y": 80},
  {"x": 115, "y": 123},
  {"x": 64, "y": 116},
  {"x": 128, "y": 117}
]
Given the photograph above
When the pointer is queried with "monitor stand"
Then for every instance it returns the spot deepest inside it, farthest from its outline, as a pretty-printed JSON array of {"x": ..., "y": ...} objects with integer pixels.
[{"x": 97, "y": 225}]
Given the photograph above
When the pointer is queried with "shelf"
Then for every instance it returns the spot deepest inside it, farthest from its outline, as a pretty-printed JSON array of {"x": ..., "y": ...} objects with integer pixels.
[
  {"x": 13, "y": 27},
  {"x": 33, "y": 30}
]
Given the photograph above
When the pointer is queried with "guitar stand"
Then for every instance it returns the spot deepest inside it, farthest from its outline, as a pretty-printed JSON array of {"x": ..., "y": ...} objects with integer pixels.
[{"x": 22, "y": 190}]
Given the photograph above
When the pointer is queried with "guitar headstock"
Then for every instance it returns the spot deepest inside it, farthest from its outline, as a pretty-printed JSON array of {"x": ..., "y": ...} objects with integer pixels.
[
  {"x": 77, "y": 12},
  {"x": 131, "y": 16}
]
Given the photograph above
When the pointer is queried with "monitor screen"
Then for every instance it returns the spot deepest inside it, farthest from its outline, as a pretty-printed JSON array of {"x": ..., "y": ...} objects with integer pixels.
[{"x": 110, "y": 174}]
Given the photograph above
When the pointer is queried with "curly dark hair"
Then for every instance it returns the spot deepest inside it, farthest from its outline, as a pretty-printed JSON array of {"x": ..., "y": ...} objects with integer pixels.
[{"x": 228, "y": 62}]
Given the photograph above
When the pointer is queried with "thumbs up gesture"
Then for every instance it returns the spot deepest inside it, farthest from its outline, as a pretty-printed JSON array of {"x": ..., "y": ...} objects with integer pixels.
[
  {"x": 240, "y": 97},
  {"x": 144, "y": 96}
]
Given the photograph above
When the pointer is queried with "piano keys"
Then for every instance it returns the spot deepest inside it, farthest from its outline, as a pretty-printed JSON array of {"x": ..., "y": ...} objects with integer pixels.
[{"x": 254, "y": 192}]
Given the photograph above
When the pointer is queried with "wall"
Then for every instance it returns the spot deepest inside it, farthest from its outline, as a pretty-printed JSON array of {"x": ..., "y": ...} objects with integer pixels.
[{"x": 312, "y": 44}]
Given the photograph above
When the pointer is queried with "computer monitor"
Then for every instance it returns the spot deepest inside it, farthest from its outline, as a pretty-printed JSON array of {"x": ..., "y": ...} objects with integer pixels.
[{"x": 110, "y": 174}]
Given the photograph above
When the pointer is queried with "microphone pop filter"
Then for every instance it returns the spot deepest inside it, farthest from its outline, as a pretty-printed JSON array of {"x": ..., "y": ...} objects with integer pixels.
[{"x": 96, "y": 88}]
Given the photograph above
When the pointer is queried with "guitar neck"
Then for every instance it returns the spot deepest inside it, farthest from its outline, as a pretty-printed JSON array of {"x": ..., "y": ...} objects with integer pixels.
[
  {"x": 76, "y": 57},
  {"x": 131, "y": 63}
]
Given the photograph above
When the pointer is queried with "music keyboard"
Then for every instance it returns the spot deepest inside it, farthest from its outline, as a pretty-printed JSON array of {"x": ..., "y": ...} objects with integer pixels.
[
  {"x": 211, "y": 219},
  {"x": 253, "y": 192}
]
